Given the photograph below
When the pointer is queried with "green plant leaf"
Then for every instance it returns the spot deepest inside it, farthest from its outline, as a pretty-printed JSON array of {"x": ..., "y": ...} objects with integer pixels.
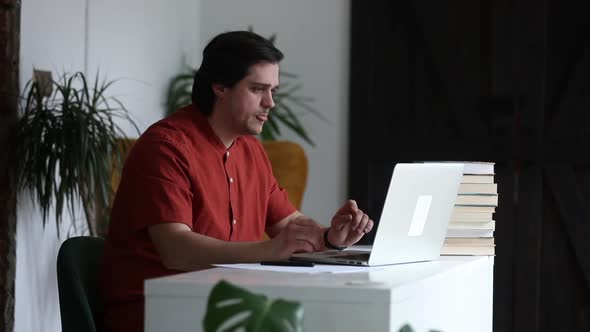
[
  {"x": 288, "y": 74},
  {"x": 406, "y": 328},
  {"x": 230, "y": 307},
  {"x": 296, "y": 127},
  {"x": 179, "y": 91}
]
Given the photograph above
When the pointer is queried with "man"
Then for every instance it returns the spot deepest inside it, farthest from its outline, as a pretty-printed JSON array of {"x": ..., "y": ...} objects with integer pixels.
[{"x": 197, "y": 187}]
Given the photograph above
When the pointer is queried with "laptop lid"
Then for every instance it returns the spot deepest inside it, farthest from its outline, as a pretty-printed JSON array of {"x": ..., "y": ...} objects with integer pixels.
[
  {"x": 416, "y": 213},
  {"x": 414, "y": 219}
]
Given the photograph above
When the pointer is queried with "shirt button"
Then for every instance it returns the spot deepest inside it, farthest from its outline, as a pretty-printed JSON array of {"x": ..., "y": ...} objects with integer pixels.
[
  {"x": 227, "y": 154},
  {"x": 234, "y": 222},
  {"x": 231, "y": 179}
]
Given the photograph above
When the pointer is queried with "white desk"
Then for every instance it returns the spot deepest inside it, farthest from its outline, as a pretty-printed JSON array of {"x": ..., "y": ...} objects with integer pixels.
[{"x": 450, "y": 295}]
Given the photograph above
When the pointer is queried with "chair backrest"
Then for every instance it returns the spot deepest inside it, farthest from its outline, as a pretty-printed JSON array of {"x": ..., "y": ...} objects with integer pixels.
[
  {"x": 125, "y": 145},
  {"x": 78, "y": 273},
  {"x": 289, "y": 166}
]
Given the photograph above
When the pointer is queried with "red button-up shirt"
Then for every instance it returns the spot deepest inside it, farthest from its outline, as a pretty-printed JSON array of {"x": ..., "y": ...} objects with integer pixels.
[{"x": 179, "y": 171}]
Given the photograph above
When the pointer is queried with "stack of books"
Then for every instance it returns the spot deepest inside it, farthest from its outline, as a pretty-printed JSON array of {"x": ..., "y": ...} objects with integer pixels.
[{"x": 471, "y": 229}]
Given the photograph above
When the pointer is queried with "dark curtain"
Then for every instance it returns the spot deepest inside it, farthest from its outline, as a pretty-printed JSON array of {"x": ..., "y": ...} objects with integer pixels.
[{"x": 504, "y": 81}]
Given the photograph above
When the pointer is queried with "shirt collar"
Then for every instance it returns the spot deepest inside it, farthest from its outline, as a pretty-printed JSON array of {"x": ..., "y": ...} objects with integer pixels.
[{"x": 203, "y": 124}]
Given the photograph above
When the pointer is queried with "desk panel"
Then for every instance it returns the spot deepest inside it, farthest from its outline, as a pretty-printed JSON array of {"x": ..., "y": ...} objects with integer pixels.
[{"x": 453, "y": 294}]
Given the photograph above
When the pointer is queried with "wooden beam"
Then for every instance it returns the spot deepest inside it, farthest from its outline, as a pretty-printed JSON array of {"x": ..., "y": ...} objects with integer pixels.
[{"x": 9, "y": 89}]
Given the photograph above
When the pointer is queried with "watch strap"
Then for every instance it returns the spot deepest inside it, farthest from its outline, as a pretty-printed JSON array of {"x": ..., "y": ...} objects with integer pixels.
[{"x": 330, "y": 245}]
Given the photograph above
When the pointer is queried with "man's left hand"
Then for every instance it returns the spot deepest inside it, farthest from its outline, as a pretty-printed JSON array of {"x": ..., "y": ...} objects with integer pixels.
[{"x": 348, "y": 225}]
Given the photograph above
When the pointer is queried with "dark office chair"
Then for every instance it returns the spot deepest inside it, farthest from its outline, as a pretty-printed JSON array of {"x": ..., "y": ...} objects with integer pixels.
[{"x": 78, "y": 271}]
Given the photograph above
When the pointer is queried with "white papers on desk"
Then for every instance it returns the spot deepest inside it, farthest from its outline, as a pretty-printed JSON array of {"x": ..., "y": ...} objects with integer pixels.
[{"x": 318, "y": 268}]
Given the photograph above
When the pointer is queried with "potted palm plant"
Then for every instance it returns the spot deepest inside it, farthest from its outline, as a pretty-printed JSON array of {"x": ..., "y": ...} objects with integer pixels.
[{"x": 65, "y": 145}]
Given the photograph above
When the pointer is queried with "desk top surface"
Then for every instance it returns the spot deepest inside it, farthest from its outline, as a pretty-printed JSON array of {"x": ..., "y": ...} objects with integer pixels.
[{"x": 376, "y": 283}]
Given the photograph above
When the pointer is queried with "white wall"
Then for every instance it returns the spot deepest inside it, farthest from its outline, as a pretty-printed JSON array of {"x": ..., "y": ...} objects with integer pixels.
[
  {"x": 143, "y": 49},
  {"x": 314, "y": 36},
  {"x": 56, "y": 45},
  {"x": 142, "y": 44}
]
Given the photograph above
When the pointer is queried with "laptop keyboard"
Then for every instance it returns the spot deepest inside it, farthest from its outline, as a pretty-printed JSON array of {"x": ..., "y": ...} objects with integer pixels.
[{"x": 354, "y": 256}]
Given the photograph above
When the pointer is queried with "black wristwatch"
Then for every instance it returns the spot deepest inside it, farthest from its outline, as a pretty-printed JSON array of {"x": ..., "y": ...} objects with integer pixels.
[{"x": 328, "y": 244}]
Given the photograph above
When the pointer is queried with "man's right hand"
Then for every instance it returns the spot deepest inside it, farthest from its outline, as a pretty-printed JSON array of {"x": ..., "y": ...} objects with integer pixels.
[{"x": 301, "y": 234}]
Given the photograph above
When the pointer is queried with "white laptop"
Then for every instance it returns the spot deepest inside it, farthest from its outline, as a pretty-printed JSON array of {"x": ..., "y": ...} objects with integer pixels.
[{"x": 414, "y": 220}]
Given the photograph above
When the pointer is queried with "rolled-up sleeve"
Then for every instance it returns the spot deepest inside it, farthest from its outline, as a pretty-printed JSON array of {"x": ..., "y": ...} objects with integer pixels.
[
  {"x": 156, "y": 184},
  {"x": 279, "y": 206}
]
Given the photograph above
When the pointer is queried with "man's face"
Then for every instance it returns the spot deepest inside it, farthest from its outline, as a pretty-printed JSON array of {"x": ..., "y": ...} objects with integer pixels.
[{"x": 246, "y": 104}]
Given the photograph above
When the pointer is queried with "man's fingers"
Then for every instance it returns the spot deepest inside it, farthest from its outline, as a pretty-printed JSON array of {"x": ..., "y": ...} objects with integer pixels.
[
  {"x": 340, "y": 221},
  {"x": 312, "y": 240},
  {"x": 310, "y": 233},
  {"x": 352, "y": 222},
  {"x": 349, "y": 206},
  {"x": 303, "y": 246},
  {"x": 308, "y": 228},
  {"x": 362, "y": 225},
  {"x": 369, "y": 226},
  {"x": 357, "y": 219},
  {"x": 292, "y": 244}
]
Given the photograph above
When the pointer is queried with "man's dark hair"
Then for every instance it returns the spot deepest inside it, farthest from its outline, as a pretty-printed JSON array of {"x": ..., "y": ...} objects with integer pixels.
[{"x": 226, "y": 60}]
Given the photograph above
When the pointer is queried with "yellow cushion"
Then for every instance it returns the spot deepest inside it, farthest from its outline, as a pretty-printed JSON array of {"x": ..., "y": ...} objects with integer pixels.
[{"x": 289, "y": 165}]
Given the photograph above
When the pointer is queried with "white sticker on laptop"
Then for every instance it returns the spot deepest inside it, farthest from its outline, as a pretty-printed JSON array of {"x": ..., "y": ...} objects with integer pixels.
[{"x": 420, "y": 215}]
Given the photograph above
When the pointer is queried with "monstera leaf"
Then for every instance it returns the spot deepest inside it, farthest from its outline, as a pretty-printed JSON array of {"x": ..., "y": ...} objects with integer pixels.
[
  {"x": 232, "y": 308},
  {"x": 408, "y": 328}
]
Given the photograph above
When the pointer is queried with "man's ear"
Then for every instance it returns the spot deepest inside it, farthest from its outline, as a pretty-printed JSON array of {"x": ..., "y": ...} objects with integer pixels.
[{"x": 219, "y": 90}]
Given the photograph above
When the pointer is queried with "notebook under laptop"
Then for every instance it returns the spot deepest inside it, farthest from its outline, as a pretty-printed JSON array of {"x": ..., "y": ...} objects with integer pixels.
[{"x": 414, "y": 219}]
